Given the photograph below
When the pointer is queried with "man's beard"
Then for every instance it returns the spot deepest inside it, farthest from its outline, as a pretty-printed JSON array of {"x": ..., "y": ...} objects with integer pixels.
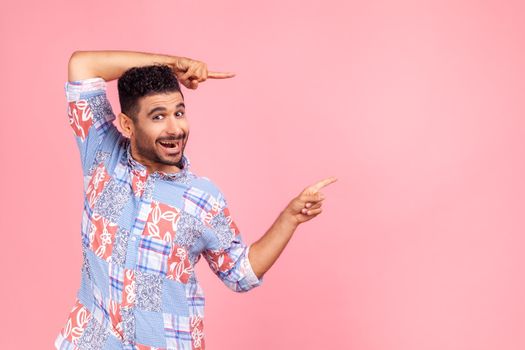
[{"x": 151, "y": 154}]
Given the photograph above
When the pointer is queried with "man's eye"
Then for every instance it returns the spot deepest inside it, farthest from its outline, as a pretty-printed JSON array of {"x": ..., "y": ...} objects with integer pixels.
[
  {"x": 158, "y": 117},
  {"x": 179, "y": 114}
]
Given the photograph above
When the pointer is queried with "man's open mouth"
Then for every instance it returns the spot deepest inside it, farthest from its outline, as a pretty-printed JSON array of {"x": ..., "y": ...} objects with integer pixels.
[{"x": 171, "y": 146}]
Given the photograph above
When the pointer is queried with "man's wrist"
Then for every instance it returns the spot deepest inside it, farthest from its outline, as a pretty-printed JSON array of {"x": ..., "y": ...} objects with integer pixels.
[
  {"x": 288, "y": 220},
  {"x": 172, "y": 62},
  {"x": 177, "y": 63}
]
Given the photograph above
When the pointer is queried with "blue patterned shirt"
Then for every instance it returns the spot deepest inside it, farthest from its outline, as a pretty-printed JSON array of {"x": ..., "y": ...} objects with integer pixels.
[{"x": 142, "y": 234}]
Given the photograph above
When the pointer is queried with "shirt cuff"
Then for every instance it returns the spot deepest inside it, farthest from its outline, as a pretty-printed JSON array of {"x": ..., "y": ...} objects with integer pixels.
[
  {"x": 250, "y": 280},
  {"x": 81, "y": 89}
]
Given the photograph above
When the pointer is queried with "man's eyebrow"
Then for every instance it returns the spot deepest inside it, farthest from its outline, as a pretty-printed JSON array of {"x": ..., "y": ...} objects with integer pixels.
[
  {"x": 163, "y": 109},
  {"x": 156, "y": 109}
]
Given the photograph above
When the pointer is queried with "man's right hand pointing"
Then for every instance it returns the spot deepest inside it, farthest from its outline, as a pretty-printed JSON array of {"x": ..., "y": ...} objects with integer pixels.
[{"x": 192, "y": 72}]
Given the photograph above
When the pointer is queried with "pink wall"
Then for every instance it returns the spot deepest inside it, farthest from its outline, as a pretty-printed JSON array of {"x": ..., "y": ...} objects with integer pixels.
[{"x": 417, "y": 109}]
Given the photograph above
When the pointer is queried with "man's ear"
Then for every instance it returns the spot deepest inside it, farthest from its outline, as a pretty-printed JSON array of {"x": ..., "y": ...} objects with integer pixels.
[{"x": 126, "y": 124}]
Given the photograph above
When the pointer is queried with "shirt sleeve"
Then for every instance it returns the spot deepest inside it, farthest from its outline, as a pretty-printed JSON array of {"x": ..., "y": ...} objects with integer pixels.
[
  {"x": 90, "y": 116},
  {"x": 227, "y": 255}
]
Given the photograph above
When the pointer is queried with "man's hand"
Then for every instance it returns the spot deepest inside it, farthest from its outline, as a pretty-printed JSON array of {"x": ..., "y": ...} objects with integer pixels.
[
  {"x": 110, "y": 65},
  {"x": 192, "y": 72},
  {"x": 307, "y": 205},
  {"x": 304, "y": 207}
]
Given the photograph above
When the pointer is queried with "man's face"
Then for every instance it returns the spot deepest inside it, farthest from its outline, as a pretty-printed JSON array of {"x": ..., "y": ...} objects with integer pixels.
[{"x": 160, "y": 132}]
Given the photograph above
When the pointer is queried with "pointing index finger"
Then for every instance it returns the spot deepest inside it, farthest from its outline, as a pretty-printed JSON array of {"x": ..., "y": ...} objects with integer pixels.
[
  {"x": 323, "y": 183},
  {"x": 220, "y": 75}
]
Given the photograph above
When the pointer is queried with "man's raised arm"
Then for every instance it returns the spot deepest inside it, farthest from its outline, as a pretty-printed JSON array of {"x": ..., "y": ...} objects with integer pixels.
[{"x": 110, "y": 65}]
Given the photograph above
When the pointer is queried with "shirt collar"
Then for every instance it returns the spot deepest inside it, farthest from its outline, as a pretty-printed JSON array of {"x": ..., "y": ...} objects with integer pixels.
[{"x": 141, "y": 168}]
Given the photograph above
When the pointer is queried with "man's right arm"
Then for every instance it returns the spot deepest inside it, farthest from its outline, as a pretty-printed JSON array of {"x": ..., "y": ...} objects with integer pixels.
[
  {"x": 89, "y": 110},
  {"x": 90, "y": 113},
  {"x": 110, "y": 65}
]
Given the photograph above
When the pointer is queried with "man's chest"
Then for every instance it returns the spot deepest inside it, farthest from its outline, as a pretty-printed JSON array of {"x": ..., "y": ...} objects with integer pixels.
[{"x": 143, "y": 221}]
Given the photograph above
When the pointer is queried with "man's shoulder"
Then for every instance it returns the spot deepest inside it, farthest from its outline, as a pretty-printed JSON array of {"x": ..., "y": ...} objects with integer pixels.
[
  {"x": 195, "y": 194},
  {"x": 205, "y": 185}
]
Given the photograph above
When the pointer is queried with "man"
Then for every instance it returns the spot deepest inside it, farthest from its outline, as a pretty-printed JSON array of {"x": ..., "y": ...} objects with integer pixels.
[{"x": 147, "y": 218}]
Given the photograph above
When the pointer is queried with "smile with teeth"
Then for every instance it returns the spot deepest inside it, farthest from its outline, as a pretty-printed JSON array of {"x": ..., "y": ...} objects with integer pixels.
[{"x": 171, "y": 145}]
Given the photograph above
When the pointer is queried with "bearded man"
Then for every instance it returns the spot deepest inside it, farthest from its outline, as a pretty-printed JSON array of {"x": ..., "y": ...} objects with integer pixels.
[{"x": 147, "y": 217}]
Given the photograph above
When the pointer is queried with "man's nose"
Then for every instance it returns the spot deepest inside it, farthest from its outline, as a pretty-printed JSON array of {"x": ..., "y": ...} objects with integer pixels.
[{"x": 174, "y": 125}]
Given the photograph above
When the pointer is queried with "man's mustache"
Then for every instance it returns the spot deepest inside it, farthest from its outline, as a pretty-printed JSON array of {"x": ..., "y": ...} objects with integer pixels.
[{"x": 174, "y": 138}]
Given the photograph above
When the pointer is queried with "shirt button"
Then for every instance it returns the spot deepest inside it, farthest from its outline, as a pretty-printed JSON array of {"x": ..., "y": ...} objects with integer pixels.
[{"x": 133, "y": 238}]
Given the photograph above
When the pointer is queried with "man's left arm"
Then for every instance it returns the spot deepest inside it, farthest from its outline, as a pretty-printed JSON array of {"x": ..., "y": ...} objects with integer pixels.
[{"x": 307, "y": 205}]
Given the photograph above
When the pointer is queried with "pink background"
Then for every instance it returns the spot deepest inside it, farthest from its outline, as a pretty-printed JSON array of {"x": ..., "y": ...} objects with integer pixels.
[{"x": 416, "y": 108}]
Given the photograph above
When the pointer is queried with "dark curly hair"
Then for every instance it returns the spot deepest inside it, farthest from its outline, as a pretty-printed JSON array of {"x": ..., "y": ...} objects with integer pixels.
[{"x": 143, "y": 81}]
